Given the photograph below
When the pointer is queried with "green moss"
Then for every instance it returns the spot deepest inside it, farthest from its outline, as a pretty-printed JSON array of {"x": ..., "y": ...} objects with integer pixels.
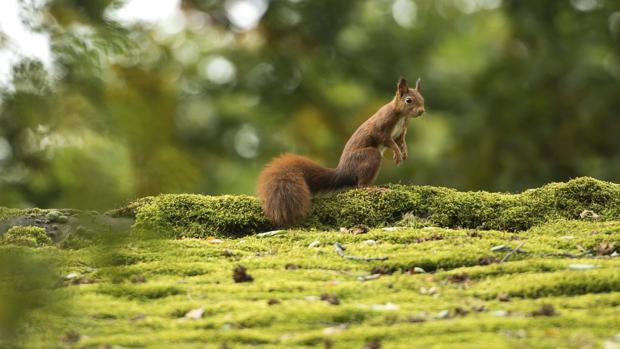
[
  {"x": 187, "y": 215},
  {"x": 29, "y": 236},
  {"x": 142, "y": 292},
  {"x": 143, "y": 288},
  {"x": 201, "y": 216}
]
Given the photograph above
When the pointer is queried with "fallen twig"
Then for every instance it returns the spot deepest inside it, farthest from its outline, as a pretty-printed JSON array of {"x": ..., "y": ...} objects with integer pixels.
[
  {"x": 340, "y": 251},
  {"x": 509, "y": 254}
]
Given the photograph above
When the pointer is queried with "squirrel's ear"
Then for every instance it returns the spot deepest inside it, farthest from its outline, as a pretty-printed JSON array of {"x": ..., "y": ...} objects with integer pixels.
[
  {"x": 418, "y": 85},
  {"x": 402, "y": 88}
]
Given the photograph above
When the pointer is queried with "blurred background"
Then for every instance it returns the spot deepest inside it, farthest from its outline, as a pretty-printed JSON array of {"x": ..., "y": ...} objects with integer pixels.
[{"x": 103, "y": 101}]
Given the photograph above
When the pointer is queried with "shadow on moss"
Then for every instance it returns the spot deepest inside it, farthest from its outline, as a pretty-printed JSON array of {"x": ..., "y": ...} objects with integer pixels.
[{"x": 186, "y": 215}]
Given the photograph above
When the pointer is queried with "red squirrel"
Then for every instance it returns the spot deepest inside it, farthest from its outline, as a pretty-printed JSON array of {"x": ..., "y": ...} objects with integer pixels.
[{"x": 287, "y": 183}]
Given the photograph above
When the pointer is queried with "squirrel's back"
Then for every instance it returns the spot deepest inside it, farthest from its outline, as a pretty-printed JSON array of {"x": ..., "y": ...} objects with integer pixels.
[{"x": 286, "y": 185}]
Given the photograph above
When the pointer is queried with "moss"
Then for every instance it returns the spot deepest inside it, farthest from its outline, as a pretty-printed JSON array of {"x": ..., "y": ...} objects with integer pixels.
[
  {"x": 29, "y": 236},
  {"x": 400, "y": 310},
  {"x": 187, "y": 215},
  {"x": 142, "y": 292}
]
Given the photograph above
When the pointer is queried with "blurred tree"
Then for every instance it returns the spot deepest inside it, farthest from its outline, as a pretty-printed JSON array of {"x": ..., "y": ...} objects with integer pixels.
[{"x": 518, "y": 93}]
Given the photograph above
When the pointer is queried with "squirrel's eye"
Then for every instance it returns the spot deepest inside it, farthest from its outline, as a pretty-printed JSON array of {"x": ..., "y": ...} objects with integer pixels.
[{"x": 408, "y": 100}]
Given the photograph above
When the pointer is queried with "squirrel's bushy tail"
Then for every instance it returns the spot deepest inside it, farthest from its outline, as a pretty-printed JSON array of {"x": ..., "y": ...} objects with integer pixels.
[{"x": 286, "y": 185}]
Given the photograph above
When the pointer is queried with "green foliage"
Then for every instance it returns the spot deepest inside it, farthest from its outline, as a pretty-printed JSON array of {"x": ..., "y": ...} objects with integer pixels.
[
  {"x": 28, "y": 236},
  {"x": 518, "y": 94},
  {"x": 203, "y": 216}
]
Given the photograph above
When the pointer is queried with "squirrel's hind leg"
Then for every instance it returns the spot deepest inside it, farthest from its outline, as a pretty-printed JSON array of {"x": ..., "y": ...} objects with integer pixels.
[{"x": 368, "y": 162}]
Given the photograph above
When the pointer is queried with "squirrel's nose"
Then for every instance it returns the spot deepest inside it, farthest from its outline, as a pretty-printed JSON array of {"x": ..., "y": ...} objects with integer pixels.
[{"x": 421, "y": 111}]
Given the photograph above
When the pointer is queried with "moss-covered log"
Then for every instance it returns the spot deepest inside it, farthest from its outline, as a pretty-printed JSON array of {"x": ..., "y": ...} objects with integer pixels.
[{"x": 186, "y": 215}]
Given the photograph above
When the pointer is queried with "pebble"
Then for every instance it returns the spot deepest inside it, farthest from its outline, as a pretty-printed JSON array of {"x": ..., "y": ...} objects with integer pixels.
[
  {"x": 216, "y": 241},
  {"x": 72, "y": 276},
  {"x": 581, "y": 266},
  {"x": 500, "y": 313},
  {"x": 419, "y": 270},
  {"x": 385, "y": 307},
  {"x": 369, "y": 242},
  {"x": 444, "y": 314},
  {"x": 195, "y": 314},
  {"x": 315, "y": 243}
]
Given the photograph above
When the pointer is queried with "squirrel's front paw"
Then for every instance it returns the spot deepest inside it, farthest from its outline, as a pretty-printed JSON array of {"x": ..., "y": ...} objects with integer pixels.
[
  {"x": 405, "y": 155},
  {"x": 398, "y": 158}
]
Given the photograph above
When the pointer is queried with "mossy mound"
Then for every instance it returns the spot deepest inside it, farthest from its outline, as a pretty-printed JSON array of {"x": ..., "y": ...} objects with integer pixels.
[
  {"x": 187, "y": 215},
  {"x": 29, "y": 236}
]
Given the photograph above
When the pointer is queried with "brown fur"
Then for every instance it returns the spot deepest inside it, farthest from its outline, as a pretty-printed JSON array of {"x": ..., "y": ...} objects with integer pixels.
[{"x": 286, "y": 185}]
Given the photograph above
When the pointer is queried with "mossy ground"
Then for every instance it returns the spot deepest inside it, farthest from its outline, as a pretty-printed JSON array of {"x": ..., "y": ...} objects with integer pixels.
[
  {"x": 135, "y": 293},
  {"x": 527, "y": 270}
]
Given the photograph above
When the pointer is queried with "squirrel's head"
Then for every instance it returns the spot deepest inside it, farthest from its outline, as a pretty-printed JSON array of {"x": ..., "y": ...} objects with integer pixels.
[{"x": 409, "y": 101}]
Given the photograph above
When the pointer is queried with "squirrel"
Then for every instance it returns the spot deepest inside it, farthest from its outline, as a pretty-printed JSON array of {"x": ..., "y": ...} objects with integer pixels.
[{"x": 287, "y": 183}]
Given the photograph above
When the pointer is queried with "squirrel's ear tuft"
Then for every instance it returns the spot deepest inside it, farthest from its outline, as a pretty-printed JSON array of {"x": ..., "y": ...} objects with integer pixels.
[
  {"x": 418, "y": 85},
  {"x": 402, "y": 88}
]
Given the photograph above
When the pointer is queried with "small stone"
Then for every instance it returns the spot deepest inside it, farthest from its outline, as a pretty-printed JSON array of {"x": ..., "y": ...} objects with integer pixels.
[
  {"x": 315, "y": 243},
  {"x": 588, "y": 214},
  {"x": 369, "y": 242},
  {"x": 215, "y": 241},
  {"x": 581, "y": 266},
  {"x": 385, "y": 307},
  {"x": 335, "y": 329},
  {"x": 195, "y": 314},
  {"x": 312, "y": 298},
  {"x": 567, "y": 237},
  {"x": 72, "y": 276},
  {"x": 273, "y": 301},
  {"x": 418, "y": 270},
  {"x": 500, "y": 313},
  {"x": 444, "y": 314}
]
